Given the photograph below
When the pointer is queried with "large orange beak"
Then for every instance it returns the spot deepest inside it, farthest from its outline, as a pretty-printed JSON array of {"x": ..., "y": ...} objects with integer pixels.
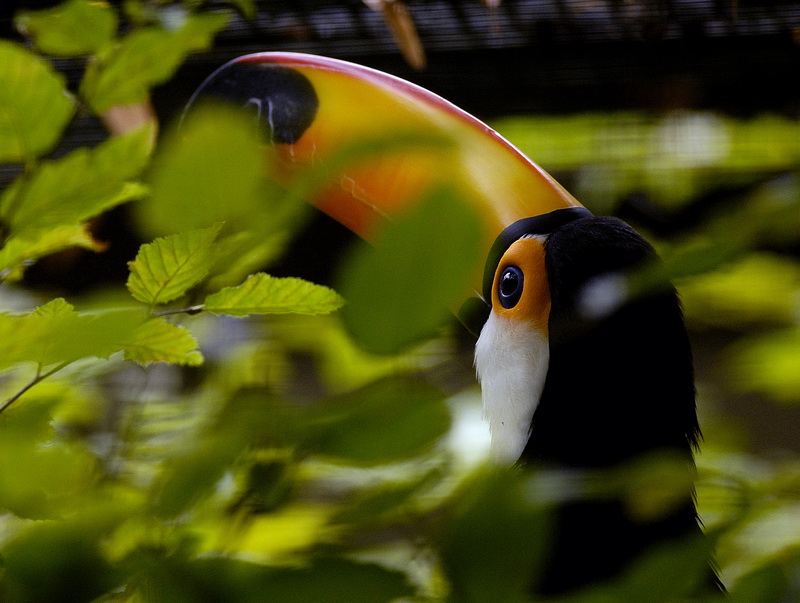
[{"x": 317, "y": 106}]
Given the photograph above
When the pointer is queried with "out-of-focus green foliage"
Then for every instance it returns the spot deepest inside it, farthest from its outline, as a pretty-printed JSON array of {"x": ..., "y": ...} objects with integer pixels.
[{"x": 209, "y": 432}]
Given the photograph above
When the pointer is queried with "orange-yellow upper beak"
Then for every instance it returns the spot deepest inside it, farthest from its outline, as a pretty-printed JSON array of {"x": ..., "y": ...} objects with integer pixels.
[{"x": 317, "y": 106}]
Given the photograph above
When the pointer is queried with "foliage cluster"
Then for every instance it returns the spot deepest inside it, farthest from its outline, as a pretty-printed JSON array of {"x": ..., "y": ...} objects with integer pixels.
[{"x": 209, "y": 432}]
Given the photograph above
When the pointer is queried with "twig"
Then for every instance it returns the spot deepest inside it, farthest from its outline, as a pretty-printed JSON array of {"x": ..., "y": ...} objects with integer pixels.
[
  {"x": 191, "y": 310},
  {"x": 39, "y": 377}
]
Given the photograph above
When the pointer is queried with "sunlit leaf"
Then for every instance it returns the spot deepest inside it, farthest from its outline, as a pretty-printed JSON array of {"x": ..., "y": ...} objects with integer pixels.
[
  {"x": 168, "y": 267},
  {"x": 158, "y": 340},
  {"x": 34, "y": 105},
  {"x": 145, "y": 57},
  {"x": 81, "y": 185},
  {"x": 56, "y": 333},
  {"x": 400, "y": 292},
  {"x": 265, "y": 294},
  {"x": 74, "y": 28}
]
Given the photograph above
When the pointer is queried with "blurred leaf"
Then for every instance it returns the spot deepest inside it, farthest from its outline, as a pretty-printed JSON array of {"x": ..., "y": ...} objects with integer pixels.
[
  {"x": 493, "y": 543},
  {"x": 74, "y": 28},
  {"x": 399, "y": 293},
  {"x": 388, "y": 421},
  {"x": 768, "y": 363},
  {"x": 19, "y": 252},
  {"x": 669, "y": 573},
  {"x": 766, "y": 584},
  {"x": 759, "y": 289},
  {"x": 334, "y": 580},
  {"x": 173, "y": 579},
  {"x": 191, "y": 475},
  {"x": 158, "y": 340},
  {"x": 207, "y": 172},
  {"x": 343, "y": 365},
  {"x": 61, "y": 560},
  {"x": 54, "y": 333},
  {"x": 385, "y": 422},
  {"x": 265, "y": 294},
  {"x": 34, "y": 105},
  {"x": 147, "y": 56},
  {"x": 81, "y": 185},
  {"x": 248, "y": 8},
  {"x": 388, "y": 501},
  {"x": 168, "y": 267}
]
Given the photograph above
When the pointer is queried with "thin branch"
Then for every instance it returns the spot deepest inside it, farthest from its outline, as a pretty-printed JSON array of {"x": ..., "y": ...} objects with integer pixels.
[
  {"x": 191, "y": 310},
  {"x": 39, "y": 377}
]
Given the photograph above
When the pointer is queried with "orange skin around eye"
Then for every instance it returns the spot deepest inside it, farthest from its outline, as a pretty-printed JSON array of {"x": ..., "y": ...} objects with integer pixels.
[{"x": 527, "y": 254}]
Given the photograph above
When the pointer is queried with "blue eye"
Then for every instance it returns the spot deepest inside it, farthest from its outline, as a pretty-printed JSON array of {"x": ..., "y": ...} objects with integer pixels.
[{"x": 509, "y": 286}]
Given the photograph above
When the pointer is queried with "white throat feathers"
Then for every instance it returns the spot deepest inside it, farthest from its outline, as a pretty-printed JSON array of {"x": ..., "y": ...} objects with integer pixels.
[{"x": 511, "y": 360}]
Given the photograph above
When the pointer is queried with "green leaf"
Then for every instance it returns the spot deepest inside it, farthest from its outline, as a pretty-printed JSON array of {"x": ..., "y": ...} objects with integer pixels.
[
  {"x": 206, "y": 172},
  {"x": 144, "y": 58},
  {"x": 391, "y": 420},
  {"x": 77, "y": 187},
  {"x": 495, "y": 529},
  {"x": 19, "y": 251},
  {"x": 55, "y": 333},
  {"x": 333, "y": 580},
  {"x": 768, "y": 363},
  {"x": 62, "y": 560},
  {"x": 265, "y": 294},
  {"x": 38, "y": 472},
  {"x": 168, "y": 267},
  {"x": 400, "y": 293},
  {"x": 74, "y": 28},
  {"x": 248, "y": 8},
  {"x": 178, "y": 578},
  {"x": 158, "y": 340},
  {"x": 34, "y": 105}
]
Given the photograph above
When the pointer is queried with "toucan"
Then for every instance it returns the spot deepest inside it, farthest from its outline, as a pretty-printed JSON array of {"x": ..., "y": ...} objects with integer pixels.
[{"x": 582, "y": 354}]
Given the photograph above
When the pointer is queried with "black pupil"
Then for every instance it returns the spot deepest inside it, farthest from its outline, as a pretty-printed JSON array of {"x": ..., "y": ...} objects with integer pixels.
[{"x": 509, "y": 283}]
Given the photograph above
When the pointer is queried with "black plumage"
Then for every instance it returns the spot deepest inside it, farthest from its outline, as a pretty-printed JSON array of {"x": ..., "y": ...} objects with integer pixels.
[{"x": 619, "y": 387}]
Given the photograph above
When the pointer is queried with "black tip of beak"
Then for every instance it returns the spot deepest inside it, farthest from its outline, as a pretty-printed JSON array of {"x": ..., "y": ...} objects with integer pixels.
[{"x": 473, "y": 314}]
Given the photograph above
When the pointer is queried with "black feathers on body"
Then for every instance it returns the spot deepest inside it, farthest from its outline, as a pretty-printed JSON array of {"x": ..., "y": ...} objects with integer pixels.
[{"x": 619, "y": 388}]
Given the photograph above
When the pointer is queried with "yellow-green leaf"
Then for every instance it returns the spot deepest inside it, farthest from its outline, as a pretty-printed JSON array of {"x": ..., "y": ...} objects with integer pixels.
[
  {"x": 79, "y": 186},
  {"x": 158, "y": 340},
  {"x": 34, "y": 104},
  {"x": 144, "y": 58},
  {"x": 265, "y": 294},
  {"x": 19, "y": 251},
  {"x": 207, "y": 171},
  {"x": 55, "y": 333},
  {"x": 169, "y": 266},
  {"x": 74, "y": 28}
]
